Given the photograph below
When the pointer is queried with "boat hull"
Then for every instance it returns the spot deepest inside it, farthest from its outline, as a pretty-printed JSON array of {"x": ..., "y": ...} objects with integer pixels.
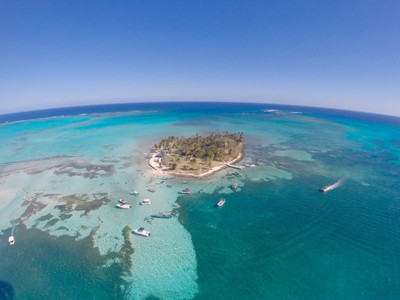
[
  {"x": 221, "y": 203},
  {"x": 144, "y": 233},
  {"x": 162, "y": 216},
  {"x": 123, "y": 206}
]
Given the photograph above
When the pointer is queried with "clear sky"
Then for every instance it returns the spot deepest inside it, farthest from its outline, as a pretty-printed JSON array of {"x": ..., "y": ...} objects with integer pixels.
[{"x": 340, "y": 54}]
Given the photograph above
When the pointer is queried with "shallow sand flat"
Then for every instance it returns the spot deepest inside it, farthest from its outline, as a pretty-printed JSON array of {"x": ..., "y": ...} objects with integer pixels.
[
  {"x": 259, "y": 173},
  {"x": 296, "y": 154},
  {"x": 164, "y": 265}
]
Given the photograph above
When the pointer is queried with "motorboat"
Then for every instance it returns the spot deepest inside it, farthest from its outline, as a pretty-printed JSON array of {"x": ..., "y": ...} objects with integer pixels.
[
  {"x": 185, "y": 191},
  {"x": 151, "y": 190},
  {"x": 145, "y": 202},
  {"x": 11, "y": 240},
  {"x": 141, "y": 231},
  {"x": 134, "y": 193},
  {"x": 221, "y": 202},
  {"x": 123, "y": 206},
  {"x": 234, "y": 186},
  {"x": 162, "y": 215},
  {"x": 123, "y": 201},
  {"x": 332, "y": 187},
  {"x": 324, "y": 189}
]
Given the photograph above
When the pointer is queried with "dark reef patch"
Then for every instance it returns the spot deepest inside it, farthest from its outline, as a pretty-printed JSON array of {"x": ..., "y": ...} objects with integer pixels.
[
  {"x": 64, "y": 216},
  {"x": 110, "y": 161},
  {"x": 51, "y": 222},
  {"x": 40, "y": 266},
  {"x": 6, "y": 291},
  {"x": 86, "y": 170},
  {"x": 33, "y": 206},
  {"x": 37, "y": 165},
  {"x": 79, "y": 202},
  {"x": 62, "y": 228},
  {"x": 45, "y": 218}
]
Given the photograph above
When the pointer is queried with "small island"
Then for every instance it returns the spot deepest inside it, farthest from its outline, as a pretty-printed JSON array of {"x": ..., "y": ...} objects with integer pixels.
[{"x": 197, "y": 156}]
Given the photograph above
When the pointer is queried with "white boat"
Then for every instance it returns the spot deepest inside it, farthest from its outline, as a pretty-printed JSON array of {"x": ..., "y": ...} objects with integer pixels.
[
  {"x": 11, "y": 240},
  {"x": 123, "y": 206},
  {"x": 221, "y": 202},
  {"x": 324, "y": 189},
  {"x": 234, "y": 186},
  {"x": 123, "y": 201},
  {"x": 145, "y": 202},
  {"x": 141, "y": 231},
  {"x": 134, "y": 193}
]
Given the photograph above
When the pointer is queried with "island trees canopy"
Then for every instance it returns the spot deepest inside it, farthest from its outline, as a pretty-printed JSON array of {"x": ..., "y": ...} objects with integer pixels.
[{"x": 188, "y": 153}]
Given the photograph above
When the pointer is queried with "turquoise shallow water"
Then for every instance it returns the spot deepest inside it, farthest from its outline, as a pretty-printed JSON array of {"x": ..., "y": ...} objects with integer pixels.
[{"x": 277, "y": 237}]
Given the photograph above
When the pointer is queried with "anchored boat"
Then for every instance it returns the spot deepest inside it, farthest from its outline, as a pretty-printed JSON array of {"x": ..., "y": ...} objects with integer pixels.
[
  {"x": 145, "y": 202},
  {"x": 123, "y": 206},
  {"x": 162, "y": 215},
  {"x": 221, "y": 202},
  {"x": 141, "y": 231},
  {"x": 185, "y": 191},
  {"x": 123, "y": 201}
]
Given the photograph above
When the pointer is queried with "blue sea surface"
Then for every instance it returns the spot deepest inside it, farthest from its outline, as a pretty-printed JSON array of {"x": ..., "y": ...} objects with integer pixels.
[{"x": 276, "y": 237}]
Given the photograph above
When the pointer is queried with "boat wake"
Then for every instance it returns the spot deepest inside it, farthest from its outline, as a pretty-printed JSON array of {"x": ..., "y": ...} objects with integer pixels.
[
  {"x": 333, "y": 186},
  {"x": 14, "y": 224},
  {"x": 11, "y": 239}
]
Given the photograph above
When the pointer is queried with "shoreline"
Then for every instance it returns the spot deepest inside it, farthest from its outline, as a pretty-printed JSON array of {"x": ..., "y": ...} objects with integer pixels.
[{"x": 156, "y": 171}]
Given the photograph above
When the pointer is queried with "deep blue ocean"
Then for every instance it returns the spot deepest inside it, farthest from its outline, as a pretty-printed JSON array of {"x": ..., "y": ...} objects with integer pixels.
[
  {"x": 195, "y": 107},
  {"x": 277, "y": 236}
]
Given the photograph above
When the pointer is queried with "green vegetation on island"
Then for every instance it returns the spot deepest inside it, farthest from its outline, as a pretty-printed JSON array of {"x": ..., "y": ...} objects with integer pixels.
[{"x": 199, "y": 154}]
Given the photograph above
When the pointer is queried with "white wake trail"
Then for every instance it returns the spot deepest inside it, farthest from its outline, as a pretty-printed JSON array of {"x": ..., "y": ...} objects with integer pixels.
[{"x": 333, "y": 186}]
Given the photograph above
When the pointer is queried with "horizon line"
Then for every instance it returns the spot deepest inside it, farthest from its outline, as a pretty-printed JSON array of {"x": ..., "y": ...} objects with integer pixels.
[{"x": 332, "y": 109}]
